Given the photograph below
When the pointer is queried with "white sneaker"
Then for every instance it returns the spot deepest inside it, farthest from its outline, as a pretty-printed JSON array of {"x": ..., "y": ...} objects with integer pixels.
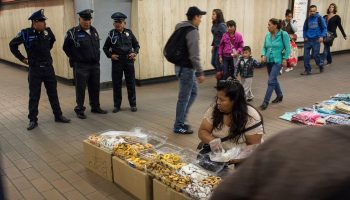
[
  {"x": 289, "y": 69},
  {"x": 281, "y": 71}
]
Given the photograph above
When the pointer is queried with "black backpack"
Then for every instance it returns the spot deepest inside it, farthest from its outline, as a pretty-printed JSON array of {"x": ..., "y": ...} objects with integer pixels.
[{"x": 175, "y": 49}]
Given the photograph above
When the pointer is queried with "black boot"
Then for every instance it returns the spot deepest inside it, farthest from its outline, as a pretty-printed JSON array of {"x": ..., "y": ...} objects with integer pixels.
[
  {"x": 98, "y": 111},
  {"x": 264, "y": 106},
  {"x": 62, "y": 119},
  {"x": 278, "y": 99},
  {"x": 32, "y": 125}
]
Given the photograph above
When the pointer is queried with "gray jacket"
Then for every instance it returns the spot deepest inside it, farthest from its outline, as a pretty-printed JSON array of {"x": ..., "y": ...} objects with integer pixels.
[{"x": 192, "y": 39}]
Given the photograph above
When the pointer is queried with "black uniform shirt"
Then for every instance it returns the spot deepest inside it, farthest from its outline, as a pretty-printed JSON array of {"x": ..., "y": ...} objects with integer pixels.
[
  {"x": 37, "y": 45},
  {"x": 81, "y": 46},
  {"x": 121, "y": 43}
]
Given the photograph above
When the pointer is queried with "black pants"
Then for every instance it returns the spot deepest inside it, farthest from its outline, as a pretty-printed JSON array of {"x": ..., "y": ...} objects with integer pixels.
[
  {"x": 87, "y": 74},
  {"x": 36, "y": 76},
  {"x": 118, "y": 68}
]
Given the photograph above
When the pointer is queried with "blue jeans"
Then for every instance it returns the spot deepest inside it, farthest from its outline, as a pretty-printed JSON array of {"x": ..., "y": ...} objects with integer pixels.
[
  {"x": 187, "y": 94},
  {"x": 314, "y": 45},
  {"x": 273, "y": 69},
  {"x": 327, "y": 54},
  {"x": 215, "y": 59}
]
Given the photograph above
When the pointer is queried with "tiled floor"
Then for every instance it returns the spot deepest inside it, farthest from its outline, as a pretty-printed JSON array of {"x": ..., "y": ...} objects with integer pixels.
[{"x": 47, "y": 163}]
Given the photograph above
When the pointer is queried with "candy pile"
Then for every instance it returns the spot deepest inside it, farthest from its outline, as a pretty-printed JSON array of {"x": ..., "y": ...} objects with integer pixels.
[
  {"x": 194, "y": 172},
  {"x": 172, "y": 160}
]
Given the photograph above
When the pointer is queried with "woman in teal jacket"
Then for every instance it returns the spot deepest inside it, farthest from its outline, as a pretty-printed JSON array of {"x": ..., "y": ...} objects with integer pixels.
[{"x": 275, "y": 54}]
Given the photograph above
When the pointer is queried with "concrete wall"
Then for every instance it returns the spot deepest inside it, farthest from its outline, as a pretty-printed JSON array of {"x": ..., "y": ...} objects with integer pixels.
[{"x": 153, "y": 21}]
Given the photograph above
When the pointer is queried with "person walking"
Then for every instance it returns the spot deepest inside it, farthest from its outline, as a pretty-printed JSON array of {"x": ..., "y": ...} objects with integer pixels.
[
  {"x": 333, "y": 22},
  {"x": 188, "y": 70},
  {"x": 275, "y": 53},
  {"x": 314, "y": 31}
]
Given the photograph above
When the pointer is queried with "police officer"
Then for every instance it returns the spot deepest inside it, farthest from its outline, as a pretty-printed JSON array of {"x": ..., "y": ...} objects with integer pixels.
[
  {"x": 121, "y": 47},
  {"x": 82, "y": 46},
  {"x": 38, "y": 40}
]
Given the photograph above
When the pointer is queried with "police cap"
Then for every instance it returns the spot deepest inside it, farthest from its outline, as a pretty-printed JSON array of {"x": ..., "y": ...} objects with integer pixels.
[
  {"x": 38, "y": 16},
  {"x": 118, "y": 16},
  {"x": 85, "y": 14}
]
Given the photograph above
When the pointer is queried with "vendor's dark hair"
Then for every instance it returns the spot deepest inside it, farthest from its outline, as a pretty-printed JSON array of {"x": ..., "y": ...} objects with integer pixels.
[
  {"x": 231, "y": 23},
  {"x": 277, "y": 22},
  {"x": 335, "y": 8},
  {"x": 288, "y": 11},
  {"x": 219, "y": 16},
  {"x": 235, "y": 91}
]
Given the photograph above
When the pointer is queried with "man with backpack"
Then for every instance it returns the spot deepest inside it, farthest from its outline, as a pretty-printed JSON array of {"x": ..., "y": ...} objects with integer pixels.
[
  {"x": 182, "y": 49},
  {"x": 314, "y": 30}
]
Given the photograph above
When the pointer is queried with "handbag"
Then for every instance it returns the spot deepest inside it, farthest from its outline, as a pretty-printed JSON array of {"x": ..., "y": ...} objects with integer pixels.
[{"x": 329, "y": 37}]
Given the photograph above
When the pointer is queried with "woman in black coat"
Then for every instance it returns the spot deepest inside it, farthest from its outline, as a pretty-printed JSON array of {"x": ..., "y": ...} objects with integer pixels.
[{"x": 333, "y": 21}]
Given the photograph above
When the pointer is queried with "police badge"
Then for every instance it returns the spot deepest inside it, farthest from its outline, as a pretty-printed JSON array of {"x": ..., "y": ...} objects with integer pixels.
[
  {"x": 45, "y": 32},
  {"x": 127, "y": 34}
]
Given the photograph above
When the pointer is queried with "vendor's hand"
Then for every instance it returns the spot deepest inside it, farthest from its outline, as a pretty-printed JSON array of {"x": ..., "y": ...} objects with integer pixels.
[
  {"x": 200, "y": 79},
  {"x": 320, "y": 40},
  {"x": 115, "y": 57},
  {"x": 263, "y": 59},
  {"x": 25, "y": 61},
  {"x": 215, "y": 145},
  {"x": 234, "y": 55},
  {"x": 220, "y": 60},
  {"x": 284, "y": 63},
  {"x": 132, "y": 56}
]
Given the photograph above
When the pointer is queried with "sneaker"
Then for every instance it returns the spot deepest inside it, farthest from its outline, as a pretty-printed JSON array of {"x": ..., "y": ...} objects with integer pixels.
[
  {"x": 289, "y": 69},
  {"x": 133, "y": 109},
  {"x": 182, "y": 130},
  {"x": 250, "y": 99},
  {"x": 321, "y": 70},
  {"x": 281, "y": 71},
  {"x": 306, "y": 73}
]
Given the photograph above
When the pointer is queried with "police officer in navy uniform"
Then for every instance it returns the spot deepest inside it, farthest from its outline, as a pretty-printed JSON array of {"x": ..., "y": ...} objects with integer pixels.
[
  {"x": 38, "y": 40},
  {"x": 121, "y": 47},
  {"x": 82, "y": 46}
]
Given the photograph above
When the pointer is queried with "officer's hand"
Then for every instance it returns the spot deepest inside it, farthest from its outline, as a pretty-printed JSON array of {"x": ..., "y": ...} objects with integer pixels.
[
  {"x": 263, "y": 59},
  {"x": 200, "y": 79},
  {"x": 25, "y": 61},
  {"x": 132, "y": 56},
  {"x": 114, "y": 57},
  {"x": 220, "y": 60},
  {"x": 321, "y": 40}
]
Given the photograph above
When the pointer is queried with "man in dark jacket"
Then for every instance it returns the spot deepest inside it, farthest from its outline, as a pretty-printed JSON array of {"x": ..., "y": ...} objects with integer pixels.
[
  {"x": 38, "y": 41},
  {"x": 121, "y": 47},
  {"x": 304, "y": 164},
  {"x": 188, "y": 71},
  {"x": 82, "y": 46}
]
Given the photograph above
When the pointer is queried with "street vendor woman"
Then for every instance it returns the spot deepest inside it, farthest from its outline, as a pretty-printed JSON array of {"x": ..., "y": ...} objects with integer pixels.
[{"x": 231, "y": 122}]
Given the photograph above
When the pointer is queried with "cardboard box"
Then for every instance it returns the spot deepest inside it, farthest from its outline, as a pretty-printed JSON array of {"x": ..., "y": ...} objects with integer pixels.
[
  {"x": 98, "y": 160},
  {"x": 163, "y": 192},
  {"x": 136, "y": 182}
]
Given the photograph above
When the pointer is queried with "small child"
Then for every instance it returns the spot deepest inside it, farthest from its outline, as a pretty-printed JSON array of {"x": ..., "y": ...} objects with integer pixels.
[
  {"x": 245, "y": 67},
  {"x": 230, "y": 47}
]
